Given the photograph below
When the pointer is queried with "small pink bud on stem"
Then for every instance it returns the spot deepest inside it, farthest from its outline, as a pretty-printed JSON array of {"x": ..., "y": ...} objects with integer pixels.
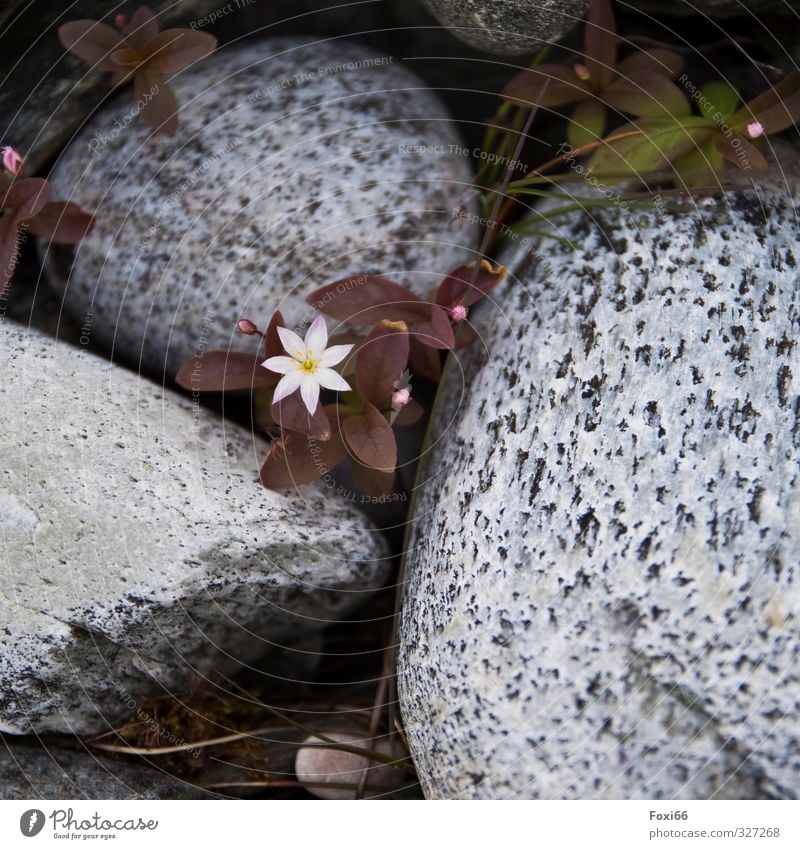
[
  {"x": 12, "y": 161},
  {"x": 121, "y": 21},
  {"x": 400, "y": 397},
  {"x": 581, "y": 71},
  {"x": 458, "y": 313},
  {"x": 754, "y": 130},
  {"x": 244, "y": 325}
]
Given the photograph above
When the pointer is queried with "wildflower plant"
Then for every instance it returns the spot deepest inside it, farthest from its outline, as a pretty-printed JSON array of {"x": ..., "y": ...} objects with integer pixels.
[
  {"x": 137, "y": 50},
  {"x": 640, "y": 84},
  {"x": 25, "y": 206},
  {"x": 326, "y": 403}
]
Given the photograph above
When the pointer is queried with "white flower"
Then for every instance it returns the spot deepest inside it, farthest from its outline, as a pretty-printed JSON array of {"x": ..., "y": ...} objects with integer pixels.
[{"x": 308, "y": 366}]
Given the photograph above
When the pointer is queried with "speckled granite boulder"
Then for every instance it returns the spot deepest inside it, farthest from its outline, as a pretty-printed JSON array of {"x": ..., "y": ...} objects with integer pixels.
[
  {"x": 30, "y": 771},
  {"x": 602, "y": 590},
  {"x": 139, "y": 549},
  {"x": 508, "y": 27},
  {"x": 293, "y": 165}
]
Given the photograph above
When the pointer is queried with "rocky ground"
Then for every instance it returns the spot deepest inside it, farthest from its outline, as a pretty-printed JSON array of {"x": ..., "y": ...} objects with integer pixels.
[{"x": 599, "y": 591}]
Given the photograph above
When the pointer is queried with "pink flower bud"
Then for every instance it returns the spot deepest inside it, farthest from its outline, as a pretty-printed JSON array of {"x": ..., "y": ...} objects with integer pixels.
[
  {"x": 400, "y": 397},
  {"x": 458, "y": 313},
  {"x": 12, "y": 161},
  {"x": 754, "y": 130},
  {"x": 247, "y": 327},
  {"x": 581, "y": 71},
  {"x": 121, "y": 21}
]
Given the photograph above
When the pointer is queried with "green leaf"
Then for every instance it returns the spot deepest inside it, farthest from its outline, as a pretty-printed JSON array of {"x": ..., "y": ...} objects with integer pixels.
[
  {"x": 723, "y": 97},
  {"x": 700, "y": 167},
  {"x": 652, "y": 148},
  {"x": 371, "y": 439},
  {"x": 647, "y": 95},
  {"x": 380, "y": 362},
  {"x": 295, "y": 459},
  {"x": 587, "y": 123},
  {"x": 91, "y": 41}
]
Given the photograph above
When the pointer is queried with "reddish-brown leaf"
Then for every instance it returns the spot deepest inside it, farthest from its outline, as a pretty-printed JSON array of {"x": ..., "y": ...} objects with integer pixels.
[
  {"x": 272, "y": 342},
  {"x": 776, "y": 108},
  {"x": 371, "y": 438},
  {"x": 291, "y": 414},
  {"x": 600, "y": 43},
  {"x": 435, "y": 331},
  {"x": 367, "y": 299},
  {"x": 175, "y": 49},
  {"x": 563, "y": 86},
  {"x": 647, "y": 94},
  {"x": 659, "y": 61},
  {"x": 142, "y": 27},
  {"x": 295, "y": 459},
  {"x": 91, "y": 41},
  {"x": 381, "y": 361},
  {"x": 62, "y": 222},
  {"x": 128, "y": 58},
  {"x": 159, "y": 107},
  {"x": 459, "y": 287},
  {"x": 409, "y": 415},
  {"x": 743, "y": 155},
  {"x": 223, "y": 371},
  {"x": 424, "y": 361},
  {"x": 372, "y": 482},
  {"x": 8, "y": 249},
  {"x": 27, "y": 197}
]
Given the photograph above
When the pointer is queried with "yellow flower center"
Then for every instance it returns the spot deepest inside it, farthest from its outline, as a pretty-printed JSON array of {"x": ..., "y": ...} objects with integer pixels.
[{"x": 309, "y": 365}]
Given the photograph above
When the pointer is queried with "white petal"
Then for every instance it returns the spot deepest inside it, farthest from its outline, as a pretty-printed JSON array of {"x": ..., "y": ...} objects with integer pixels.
[
  {"x": 281, "y": 365},
  {"x": 330, "y": 379},
  {"x": 316, "y": 337},
  {"x": 286, "y": 385},
  {"x": 309, "y": 392},
  {"x": 335, "y": 354},
  {"x": 292, "y": 343}
]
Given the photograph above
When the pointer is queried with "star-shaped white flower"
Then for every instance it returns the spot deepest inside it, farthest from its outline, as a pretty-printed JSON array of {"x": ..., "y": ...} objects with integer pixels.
[{"x": 308, "y": 366}]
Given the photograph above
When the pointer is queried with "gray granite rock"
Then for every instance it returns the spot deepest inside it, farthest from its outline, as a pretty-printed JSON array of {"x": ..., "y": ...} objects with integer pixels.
[
  {"x": 602, "y": 590},
  {"x": 509, "y": 27},
  {"x": 293, "y": 165},
  {"x": 32, "y": 771},
  {"x": 139, "y": 548}
]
